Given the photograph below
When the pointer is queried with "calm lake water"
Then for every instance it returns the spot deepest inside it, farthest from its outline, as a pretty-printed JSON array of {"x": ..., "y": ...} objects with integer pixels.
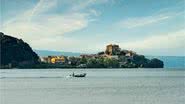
[{"x": 101, "y": 86}]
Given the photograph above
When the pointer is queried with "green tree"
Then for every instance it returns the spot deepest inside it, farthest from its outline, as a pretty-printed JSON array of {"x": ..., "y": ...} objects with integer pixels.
[
  {"x": 95, "y": 63},
  {"x": 83, "y": 61},
  {"x": 111, "y": 63}
]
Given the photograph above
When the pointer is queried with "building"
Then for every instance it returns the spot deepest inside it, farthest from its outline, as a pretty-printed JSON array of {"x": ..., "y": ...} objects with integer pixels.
[
  {"x": 54, "y": 59},
  {"x": 112, "y": 49},
  {"x": 58, "y": 59},
  {"x": 130, "y": 53}
]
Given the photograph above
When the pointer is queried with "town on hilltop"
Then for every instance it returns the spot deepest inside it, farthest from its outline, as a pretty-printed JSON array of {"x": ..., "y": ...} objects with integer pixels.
[{"x": 112, "y": 57}]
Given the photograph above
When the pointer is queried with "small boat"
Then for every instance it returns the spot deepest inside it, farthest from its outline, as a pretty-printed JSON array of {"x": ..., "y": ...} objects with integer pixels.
[{"x": 78, "y": 75}]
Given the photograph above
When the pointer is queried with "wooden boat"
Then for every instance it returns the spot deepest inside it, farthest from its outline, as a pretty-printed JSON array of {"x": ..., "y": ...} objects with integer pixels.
[{"x": 79, "y": 75}]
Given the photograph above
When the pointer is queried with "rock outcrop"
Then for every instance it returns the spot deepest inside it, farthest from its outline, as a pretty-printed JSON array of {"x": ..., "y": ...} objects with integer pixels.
[
  {"x": 130, "y": 59},
  {"x": 16, "y": 53},
  {"x": 155, "y": 63}
]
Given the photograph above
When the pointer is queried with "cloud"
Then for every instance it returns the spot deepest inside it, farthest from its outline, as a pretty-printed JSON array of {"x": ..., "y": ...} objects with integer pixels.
[
  {"x": 35, "y": 23},
  {"x": 41, "y": 7},
  {"x": 83, "y": 4},
  {"x": 69, "y": 44},
  {"x": 162, "y": 43},
  {"x": 134, "y": 22},
  {"x": 51, "y": 25},
  {"x": 138, "y": 22},
  {"x": 56, "y": 43},
  {"x": 43, "y": 29},
  {"x": 94, "y": 12}
]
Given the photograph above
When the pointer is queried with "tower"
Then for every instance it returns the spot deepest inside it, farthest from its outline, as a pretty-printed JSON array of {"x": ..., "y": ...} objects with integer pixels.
[{"x": 112, "y": 49}]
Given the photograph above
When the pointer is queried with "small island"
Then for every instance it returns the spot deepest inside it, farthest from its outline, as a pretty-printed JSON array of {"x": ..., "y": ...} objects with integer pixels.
[{"x": 15, "y": 53}]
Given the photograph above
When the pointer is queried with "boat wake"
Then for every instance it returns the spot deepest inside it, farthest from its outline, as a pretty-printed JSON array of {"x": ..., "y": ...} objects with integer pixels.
[{"x": 39, "y": 77}]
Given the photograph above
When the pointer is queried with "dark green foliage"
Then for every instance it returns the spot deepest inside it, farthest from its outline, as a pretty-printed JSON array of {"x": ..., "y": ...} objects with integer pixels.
[
  {"x": 95, "y": 63},
  {"x": 83, "y": 61},
  {"x": 140, "y": 60},
  {"x": 111, "y": 63},
  {"x": 155, "y": 63},
  {"x": 75, "y": 61},
  {"x": 122, "y": 53},
  {"x": 102, "y": 63},
  {"x": 16, "y": 52}
]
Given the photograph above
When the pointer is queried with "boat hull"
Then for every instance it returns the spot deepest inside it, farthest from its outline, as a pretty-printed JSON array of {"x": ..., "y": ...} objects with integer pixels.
[{"x": 79, "y": 75}]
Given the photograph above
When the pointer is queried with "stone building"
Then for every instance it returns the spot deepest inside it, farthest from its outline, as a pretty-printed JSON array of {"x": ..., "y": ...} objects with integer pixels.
[{"x": 112, "y": 49}]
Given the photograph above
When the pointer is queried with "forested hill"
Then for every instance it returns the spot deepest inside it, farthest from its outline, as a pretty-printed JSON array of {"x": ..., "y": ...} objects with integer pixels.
[{"x": 15, "y": 52}]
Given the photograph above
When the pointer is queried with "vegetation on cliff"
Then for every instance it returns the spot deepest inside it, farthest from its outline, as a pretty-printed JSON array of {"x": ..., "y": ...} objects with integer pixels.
[{"x": 15, "y": 52}]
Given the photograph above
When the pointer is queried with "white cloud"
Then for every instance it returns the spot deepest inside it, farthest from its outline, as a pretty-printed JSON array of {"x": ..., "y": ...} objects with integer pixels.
[
  {"x": 134, "y": 22},
  {"x": 44, "y": 30},
  {"x": 83, "y": 4},
  {"x": 162, "y": 43},
  {"x": 34, "y": 23},
  {"x": 55, "y": 43},
  {"x": 94, "y": 12},
  {"x": 41, "y": 7},
  {"x": 68, "y": 44},
  {"x": 142, "y": 21},
  {"x": 47, "y": 25}
]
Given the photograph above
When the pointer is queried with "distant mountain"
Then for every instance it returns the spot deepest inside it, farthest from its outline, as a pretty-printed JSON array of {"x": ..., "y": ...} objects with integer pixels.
[
  {"x": 43, "y": 53},
  {"x": 171, "y": 61}
]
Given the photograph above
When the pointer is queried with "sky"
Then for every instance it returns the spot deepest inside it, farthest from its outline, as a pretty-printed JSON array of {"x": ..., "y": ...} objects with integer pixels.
[{"x": 148, "y": 27}]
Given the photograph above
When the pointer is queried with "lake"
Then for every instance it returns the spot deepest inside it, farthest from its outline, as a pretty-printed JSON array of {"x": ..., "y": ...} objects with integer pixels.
[{"x": 101, "y": 86}]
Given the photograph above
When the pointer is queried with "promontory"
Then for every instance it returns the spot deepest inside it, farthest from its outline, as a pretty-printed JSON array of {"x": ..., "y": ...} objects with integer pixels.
[{"x": 15, "y": 53}]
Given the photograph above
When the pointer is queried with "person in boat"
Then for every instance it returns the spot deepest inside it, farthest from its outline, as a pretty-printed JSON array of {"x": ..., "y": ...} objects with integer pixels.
[
  {"x": 73, "y": 74},
  {"x": 78, "y": 75}
]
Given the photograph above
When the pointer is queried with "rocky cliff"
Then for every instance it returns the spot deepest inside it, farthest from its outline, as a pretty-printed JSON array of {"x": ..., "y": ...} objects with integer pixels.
[{"x": 15, "y": 52}]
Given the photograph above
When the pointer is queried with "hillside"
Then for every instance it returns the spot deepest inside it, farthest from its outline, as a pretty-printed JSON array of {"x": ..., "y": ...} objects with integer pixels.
[{"x": 15, "y": 52}]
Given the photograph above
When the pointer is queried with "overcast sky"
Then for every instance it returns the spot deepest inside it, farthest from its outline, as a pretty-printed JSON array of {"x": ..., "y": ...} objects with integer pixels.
[{"x": 149, "y": 27}]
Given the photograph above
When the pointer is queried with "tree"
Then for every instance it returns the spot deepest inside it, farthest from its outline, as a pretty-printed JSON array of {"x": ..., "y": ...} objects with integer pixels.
[
  {"x": 155, "y": 63},
  {"x": 91, "y": 63},
  {"x": 111, "y": 63},
  {"x": 95, "y": 63},
  {"x": 83, "y": 61},
  {"x": 140, "y": 60}
]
